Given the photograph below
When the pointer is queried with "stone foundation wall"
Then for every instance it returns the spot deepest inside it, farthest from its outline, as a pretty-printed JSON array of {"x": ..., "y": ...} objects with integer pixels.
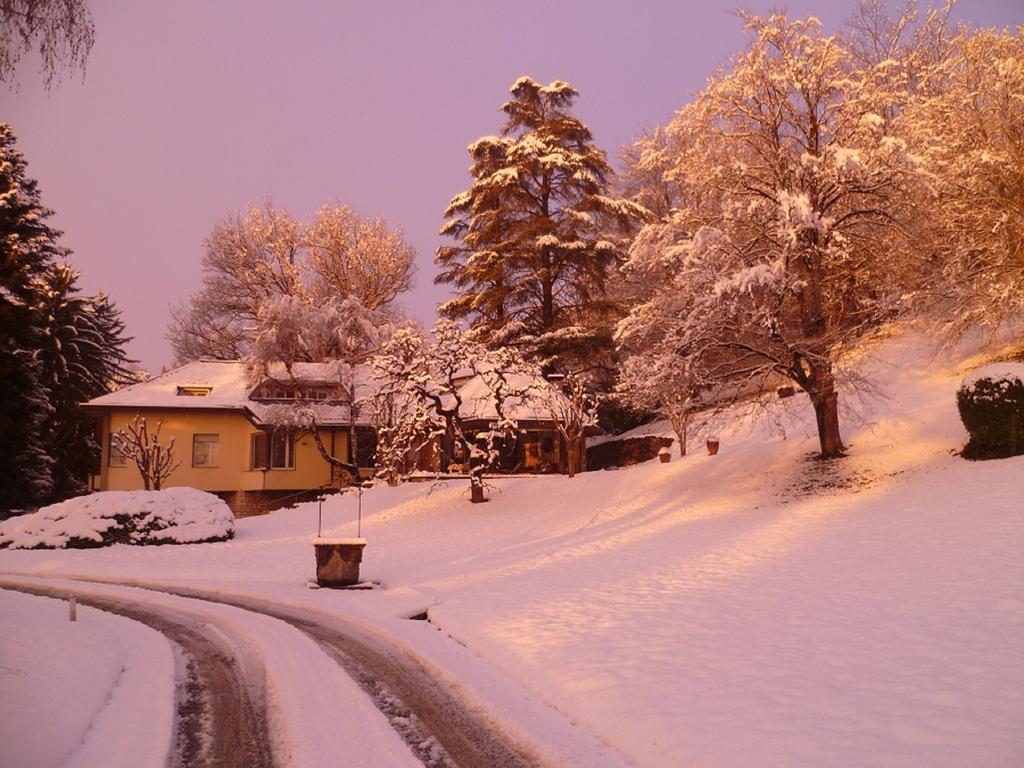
[
  {"x": 252, "y": 503},
  {"x": 625, "y": 453}
]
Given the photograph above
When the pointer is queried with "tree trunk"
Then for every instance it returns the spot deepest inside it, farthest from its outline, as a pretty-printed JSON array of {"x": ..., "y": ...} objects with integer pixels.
[
  {"x": 826, "y": 411},
  {"x": 680, "y": 420},
  {"x": 572, "y": 452},
  {"x": 476, "y": 490}
]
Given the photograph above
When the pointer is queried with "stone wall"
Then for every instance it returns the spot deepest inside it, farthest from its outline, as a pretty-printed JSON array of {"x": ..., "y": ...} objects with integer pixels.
[
  {"x": 625, "y": 452},
  {"x": 252, "y": 503}
]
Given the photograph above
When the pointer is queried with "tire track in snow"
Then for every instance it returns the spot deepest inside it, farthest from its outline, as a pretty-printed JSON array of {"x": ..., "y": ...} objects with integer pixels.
[
  {"x": 439, "y": 725},
  {"x": 220, "y": 711}
]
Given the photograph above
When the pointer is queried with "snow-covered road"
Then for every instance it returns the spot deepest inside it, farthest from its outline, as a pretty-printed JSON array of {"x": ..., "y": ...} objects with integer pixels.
[
  {"x": 261, "y": 684},
  {"x": 220, "y": 699}
]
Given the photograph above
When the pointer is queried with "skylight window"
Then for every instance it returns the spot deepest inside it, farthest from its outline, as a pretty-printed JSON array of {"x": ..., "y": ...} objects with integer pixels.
[{"x": 194, "y": 391}]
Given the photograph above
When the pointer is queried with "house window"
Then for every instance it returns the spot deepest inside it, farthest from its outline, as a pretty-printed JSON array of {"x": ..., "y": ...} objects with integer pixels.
[
  {"x": 205, "y": 450},
  {"x": 282, "y": 450},
  {"x": 273, "y": 450},
  {"x": 115, "y": 457},
  {"x": 194, "y": 391},
  {"x": 261, "y": 450},
  {"x": 366, "y": 446}
]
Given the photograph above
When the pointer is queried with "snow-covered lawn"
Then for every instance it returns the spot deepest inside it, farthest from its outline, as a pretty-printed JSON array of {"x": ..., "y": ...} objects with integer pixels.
[
  {"x": 97, "y": 691},
  {"x": 751, "y": 608}
]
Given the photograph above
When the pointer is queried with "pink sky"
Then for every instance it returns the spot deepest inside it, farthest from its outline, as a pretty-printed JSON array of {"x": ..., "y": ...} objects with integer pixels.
[{"x": 190, "y": 110}]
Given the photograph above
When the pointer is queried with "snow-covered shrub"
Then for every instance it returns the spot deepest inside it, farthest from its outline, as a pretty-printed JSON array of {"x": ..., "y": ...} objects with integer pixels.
[
  {"x": 991, "y": 404},
  {"x": 171, "y": 516}
]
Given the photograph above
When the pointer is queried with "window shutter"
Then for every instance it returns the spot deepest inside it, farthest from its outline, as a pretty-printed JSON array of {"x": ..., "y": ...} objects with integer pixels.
[{"x": 261, "y": 451}]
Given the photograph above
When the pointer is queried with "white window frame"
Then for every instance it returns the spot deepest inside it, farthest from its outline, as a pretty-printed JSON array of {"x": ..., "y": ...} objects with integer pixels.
[{"x": 213, "y": 457}]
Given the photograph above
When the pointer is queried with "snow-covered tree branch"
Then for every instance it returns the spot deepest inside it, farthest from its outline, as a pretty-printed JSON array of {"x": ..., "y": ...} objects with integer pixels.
[
  {"x": 431, "y": 373},
  {"x": 537, "y": 232},
  {"x": 573, "y": 410},
  {"x": 154, "y": 460},
  {"x": 787, "y": 246},
  {"x": 267, "y": 262}
]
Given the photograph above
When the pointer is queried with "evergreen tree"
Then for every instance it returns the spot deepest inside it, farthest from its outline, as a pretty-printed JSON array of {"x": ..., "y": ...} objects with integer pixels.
[
  {"x": 82, "y": 357},
  {"x": 57, "y": 349},
  {"x": 538, "y": 231},
  {"x": 27, "y": 249}
]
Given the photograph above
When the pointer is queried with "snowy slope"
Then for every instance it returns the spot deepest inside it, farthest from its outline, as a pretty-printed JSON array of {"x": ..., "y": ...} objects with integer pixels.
[
  {"x": 99, "y": 691},
  {"x": 756, "y": 607}
]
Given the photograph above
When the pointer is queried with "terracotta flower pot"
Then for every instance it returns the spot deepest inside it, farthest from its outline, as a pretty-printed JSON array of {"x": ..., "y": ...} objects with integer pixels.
[
  {"x": 712, "y": 446},
  {"x": 665, "y": 458},
  {"x": 337, "y": 561}
]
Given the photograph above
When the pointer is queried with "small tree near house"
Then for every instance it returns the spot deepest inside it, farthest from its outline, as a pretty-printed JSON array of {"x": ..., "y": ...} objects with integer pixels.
[
  {"x": 291, "y": 330},
  {"x": 155, "y": 460},
  {"x": 432, "y": 372},
  {"x": 403, "y": 425},
  {"x": 573, "y": 410},
  {"x": 667, "y": 382},
  {"x": 302, "y": 419}
]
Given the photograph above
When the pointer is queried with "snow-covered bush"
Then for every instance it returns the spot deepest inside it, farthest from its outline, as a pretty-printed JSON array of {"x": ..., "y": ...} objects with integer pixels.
[
  {"x": 991, "y": 404},
  {"x": 171, "y": 516}
]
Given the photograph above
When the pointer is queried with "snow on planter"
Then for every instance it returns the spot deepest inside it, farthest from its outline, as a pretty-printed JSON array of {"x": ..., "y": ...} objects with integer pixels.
[{"x": 171, "y": 516}]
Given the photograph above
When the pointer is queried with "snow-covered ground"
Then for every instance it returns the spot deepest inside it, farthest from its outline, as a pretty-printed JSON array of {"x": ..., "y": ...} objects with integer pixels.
[
  {"x": 97, "y": 691},
  {"x": 755, "y": 607}
]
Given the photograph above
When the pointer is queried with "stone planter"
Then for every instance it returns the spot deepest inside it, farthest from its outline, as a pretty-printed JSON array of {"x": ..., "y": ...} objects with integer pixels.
[
  {"x": 712, "y": 446},
  {"x": 337, "y": 561},
  {"x": 664, "y": 456}
]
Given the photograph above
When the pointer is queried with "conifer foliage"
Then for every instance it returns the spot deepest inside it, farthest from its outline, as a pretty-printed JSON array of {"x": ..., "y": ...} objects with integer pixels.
[
  {"x": 57, "y": 349},
  {"x": 538, "y": 230}
]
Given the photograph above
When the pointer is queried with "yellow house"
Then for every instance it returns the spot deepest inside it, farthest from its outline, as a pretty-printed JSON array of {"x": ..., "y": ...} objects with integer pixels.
[{"x": 223, "y": 439}]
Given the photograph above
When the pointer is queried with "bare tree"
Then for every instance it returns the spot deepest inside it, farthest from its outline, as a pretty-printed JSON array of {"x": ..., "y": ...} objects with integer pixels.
[
  {"x": 573, "y": 410},
  {"x": 255, "y": 264},
  {"x": 879, "y": 31},
  {"x": 247, "y": 260},
  {"x": 665, "y": 382},
  {"x": 61, "y": 31},
  {"x": 303, "y": 418},
  {"x": 966, "y": 127},
  {"x": 351, "y": 255},
  {"x": 403, "y": 424},
  {"x": 155, "y": 460},
  {"x": 645, "y": 177},
  {"x": 787, "y": 248}
]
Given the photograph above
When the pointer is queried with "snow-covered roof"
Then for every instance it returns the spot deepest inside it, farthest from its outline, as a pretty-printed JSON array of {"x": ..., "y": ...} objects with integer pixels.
[
  {"x": 477, "y": 402},
  {"x": 225, "y": 379},
  {"x": 225, "y": 385}
]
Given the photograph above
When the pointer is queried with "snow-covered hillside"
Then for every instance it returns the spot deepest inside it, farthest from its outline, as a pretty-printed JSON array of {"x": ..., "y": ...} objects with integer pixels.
[{"x": 755, "y": 607}]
